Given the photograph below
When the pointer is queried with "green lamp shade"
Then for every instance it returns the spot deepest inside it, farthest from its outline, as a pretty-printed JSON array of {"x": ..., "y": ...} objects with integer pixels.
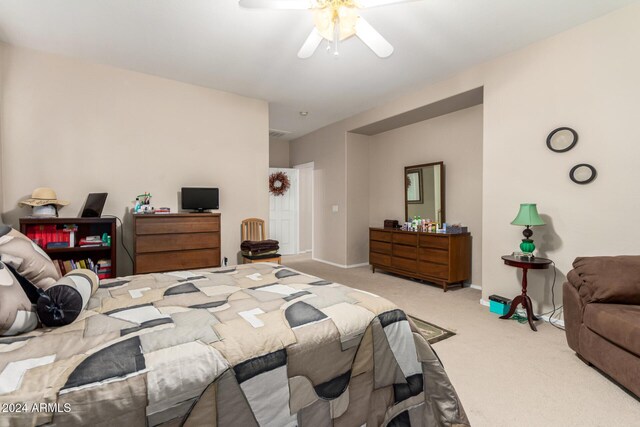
[{"x": 528, "y": 215}]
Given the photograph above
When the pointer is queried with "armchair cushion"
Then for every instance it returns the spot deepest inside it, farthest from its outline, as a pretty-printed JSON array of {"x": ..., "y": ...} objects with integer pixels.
[
  {"x": 607, "y": 279},
  {"x": 618, "y": 323}
]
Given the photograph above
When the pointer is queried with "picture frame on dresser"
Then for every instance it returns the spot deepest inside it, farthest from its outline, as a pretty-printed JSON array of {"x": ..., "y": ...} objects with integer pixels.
[{"x": 414, "y": 186}]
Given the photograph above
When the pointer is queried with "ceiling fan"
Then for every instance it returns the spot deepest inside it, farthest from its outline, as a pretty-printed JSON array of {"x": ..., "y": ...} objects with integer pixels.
[{"x": 334, "y": 21}]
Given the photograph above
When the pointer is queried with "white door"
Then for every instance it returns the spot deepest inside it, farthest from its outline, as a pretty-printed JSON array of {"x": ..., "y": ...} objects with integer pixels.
[{"x": 283, "y": 214}]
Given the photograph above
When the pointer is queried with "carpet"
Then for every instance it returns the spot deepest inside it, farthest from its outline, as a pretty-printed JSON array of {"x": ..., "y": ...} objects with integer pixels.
[{"x": 433, "y": 333}]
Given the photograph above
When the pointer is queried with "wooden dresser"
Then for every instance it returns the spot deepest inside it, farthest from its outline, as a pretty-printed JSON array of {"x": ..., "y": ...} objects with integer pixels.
[
  {"x": 175, "y": 242},
  {"x": 444, "y": 259}
]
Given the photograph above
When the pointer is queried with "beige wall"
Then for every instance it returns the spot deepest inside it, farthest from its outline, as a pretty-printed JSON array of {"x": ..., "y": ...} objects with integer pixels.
[
  {"x": 357, "y": 199},
  {"x": 278, "y": 153},
  {"x": 593, "y": 87},
  {"x": 326, "y": 148},
  {"x": 305, "y": 230},
  {"x": 586, "y": 78},
  {"x": 456, "y": 140},
  {"x": 80, "y": 128},
  {"x": 3, "y": 64}
]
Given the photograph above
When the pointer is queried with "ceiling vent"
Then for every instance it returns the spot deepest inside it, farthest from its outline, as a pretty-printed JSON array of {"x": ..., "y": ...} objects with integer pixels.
[{"x": 275, "y": 133}]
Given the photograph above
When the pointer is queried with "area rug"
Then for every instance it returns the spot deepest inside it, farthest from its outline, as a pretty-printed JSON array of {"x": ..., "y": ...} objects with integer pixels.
[{"x": 433, "y": 333}]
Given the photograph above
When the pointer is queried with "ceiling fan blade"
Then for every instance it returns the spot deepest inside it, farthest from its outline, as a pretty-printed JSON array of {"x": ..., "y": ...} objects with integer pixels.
[
  {"x": 375, "y": 3},
  {"x": 373, "y": 39},
  {"x": 310, "y": 45},
  {"x": 278, "y": 4}
]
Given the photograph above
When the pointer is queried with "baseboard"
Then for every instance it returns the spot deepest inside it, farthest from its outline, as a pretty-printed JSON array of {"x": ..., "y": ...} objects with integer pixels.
[
  {"x": 557, "y": 322},
  {"x": 362, "y": 264},
  {"x": 329, "y": 262},
  {"x": 478, "y": 287},
  {"x": 340, "y": 265},
  {"x": 304, "y": 252}
]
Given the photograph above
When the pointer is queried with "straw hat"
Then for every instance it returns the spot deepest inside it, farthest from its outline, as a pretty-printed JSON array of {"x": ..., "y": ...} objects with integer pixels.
[{"x": 43, "y": 196}]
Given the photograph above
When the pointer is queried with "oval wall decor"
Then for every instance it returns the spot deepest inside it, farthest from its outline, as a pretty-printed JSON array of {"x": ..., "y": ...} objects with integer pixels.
[
  {"x": 583, "y": 173},
  {"x": 562, "y": 139}
]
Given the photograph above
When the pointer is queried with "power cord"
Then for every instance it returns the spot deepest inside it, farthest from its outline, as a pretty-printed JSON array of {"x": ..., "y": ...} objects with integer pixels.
[
  {"x": 553, "y": 299},
  {"x": 121, "y": 236}
]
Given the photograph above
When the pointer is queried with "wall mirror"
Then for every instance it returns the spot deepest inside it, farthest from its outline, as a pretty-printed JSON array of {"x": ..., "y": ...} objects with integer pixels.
[
  {"x": 562, "y": 139},
  {"x": 583, "y": 173},
  {"x": 424, "y": 191}
]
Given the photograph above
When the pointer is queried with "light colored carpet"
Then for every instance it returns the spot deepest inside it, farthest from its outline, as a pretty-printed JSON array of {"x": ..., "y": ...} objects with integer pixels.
[{"x": 505, "y": 374}]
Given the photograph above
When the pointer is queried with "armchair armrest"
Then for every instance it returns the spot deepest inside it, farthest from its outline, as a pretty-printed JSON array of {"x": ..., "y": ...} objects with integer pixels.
[{"x": 573, "y": 311}]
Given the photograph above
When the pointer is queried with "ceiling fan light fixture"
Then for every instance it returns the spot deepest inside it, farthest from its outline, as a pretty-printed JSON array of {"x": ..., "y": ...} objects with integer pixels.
[
  {"x": 343, "y": 18},
  {"x": 334, "y": 20}
]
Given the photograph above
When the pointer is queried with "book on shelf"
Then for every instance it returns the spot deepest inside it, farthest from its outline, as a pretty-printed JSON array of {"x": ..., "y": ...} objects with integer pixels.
[
  {"x": 67, "y": 267},
  {"x": 102, "y": 268},
  {"x": 91, "y": 242},
  {"x": 57, "y": 264},
  {"x": 58, "y": 245}
]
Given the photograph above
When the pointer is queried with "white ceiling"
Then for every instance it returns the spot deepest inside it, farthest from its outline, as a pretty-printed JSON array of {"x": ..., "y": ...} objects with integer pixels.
[{"x": 217, "y": 44}]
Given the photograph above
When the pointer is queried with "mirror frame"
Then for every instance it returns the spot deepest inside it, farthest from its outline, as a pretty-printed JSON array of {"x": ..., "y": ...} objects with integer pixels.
[
  {"x": 442, "y": 198},
  {"x": 561, "y": 150},
  {"x": 572, "y": 173}
]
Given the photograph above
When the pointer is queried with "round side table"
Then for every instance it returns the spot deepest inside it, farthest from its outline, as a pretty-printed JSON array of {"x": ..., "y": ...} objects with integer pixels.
[{"x": 525, "y": 264}]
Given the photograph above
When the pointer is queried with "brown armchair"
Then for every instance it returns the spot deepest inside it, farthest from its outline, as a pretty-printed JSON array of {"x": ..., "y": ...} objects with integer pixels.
[{"x": 602, "y": 315}]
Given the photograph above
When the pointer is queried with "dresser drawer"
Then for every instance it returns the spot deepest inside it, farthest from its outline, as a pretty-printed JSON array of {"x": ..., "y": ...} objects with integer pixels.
[
  {"x": 379, "y": 259},
  {"x": 405, "y": 238},
  {"x": 404, "y": 251},
  {"x": 177, "y": 260},
  {"x": 437, "y": 256},
  {"x": 380, "y": 247},
  {"x": 176, "y": 242},
  {"x": 404, "y": 264},
  {"x": 158, "y": 224},
  {"x": 435, "y": 270},
  {"x": 427, "y": 241},
  {"x": 381, "y": 236}
]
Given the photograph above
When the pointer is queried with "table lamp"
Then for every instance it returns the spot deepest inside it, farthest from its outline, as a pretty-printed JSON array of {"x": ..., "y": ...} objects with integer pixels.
[{"x": 527, "y": 216}]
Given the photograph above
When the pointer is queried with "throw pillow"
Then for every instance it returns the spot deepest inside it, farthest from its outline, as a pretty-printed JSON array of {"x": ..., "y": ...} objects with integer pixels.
[
  {"x": 27, "y": 258},
  {"x": 63, "y": 302},
  {"x": 17, "y": 314}
]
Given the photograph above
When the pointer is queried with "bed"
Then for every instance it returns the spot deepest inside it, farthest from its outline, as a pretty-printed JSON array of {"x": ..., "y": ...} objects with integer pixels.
[{"x": 252, "y": 345}]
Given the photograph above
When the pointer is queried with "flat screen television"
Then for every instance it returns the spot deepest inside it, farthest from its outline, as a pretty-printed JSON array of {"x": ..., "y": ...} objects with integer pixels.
[{"x": 199, "y": 199}]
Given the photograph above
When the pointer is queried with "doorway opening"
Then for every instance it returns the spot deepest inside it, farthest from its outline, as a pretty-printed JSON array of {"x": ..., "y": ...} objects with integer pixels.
[{"x": 291, "y": 214}]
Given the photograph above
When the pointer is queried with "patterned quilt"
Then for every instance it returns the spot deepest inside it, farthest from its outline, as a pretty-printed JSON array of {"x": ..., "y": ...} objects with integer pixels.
[{"x": 252, "y": 345}]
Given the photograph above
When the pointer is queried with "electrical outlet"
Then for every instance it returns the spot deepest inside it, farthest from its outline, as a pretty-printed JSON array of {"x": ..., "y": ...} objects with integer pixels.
[{"x": 334, "y": 208}]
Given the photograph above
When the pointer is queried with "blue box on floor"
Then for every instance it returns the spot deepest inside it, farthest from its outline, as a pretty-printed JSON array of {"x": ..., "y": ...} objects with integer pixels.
[{"x": 499, "y": 305}]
